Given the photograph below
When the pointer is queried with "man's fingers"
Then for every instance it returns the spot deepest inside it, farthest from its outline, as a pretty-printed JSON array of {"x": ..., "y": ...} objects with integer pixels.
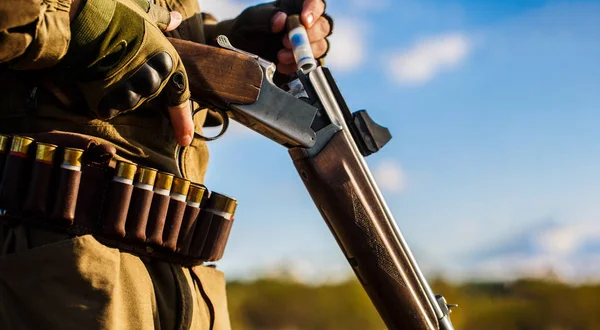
[
  {"x": 320, "y": 30},
  {"x": 285, "y": 56},
  {"x": 278, "y": 22},
  {"x": 319, "y": 48},
  {"x": 176, "y": 19},
  {"x": 183, "y": 125},
  {"x": 311, "y": 11}
]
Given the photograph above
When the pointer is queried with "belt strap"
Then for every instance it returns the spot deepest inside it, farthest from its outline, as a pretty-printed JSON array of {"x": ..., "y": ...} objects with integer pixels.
[{"x": 87, "y": 191}]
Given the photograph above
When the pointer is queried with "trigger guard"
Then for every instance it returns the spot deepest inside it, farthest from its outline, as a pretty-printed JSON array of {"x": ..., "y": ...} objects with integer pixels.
[{"x": 224, "y": 126}]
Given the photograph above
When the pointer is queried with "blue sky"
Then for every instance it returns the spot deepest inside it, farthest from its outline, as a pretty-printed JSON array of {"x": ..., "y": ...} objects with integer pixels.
[{"x": 493, "y": 106}]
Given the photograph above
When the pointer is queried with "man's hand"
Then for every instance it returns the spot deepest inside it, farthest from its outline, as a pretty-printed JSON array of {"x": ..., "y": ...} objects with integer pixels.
[
  {"x": 132, "y": 61},
  {"x": 260, "y": 30},
  {"x": 317, "y": 27}
]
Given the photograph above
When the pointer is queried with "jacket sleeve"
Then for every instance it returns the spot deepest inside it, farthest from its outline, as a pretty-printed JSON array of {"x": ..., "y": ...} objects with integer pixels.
[{"x": 34, "y": 34}]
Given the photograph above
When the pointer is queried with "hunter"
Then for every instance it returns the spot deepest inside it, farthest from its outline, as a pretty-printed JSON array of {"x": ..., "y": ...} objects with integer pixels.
[{"x": 96, "y": 86}]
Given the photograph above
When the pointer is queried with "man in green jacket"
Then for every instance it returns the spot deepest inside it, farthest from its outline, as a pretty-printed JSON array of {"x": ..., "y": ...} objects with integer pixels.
[{"x": 103, "y": 70}]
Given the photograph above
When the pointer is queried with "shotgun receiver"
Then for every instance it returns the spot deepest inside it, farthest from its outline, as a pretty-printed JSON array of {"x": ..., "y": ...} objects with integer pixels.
[{"x": 327, "y": 144}]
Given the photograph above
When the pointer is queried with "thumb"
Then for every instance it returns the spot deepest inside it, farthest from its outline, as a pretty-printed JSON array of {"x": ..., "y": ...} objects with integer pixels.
[
  {"x": 176, "y": 19},
  {"x": 183, "y": 124},
  {"x": 163, "y": 18},
  {"x": 278, "y": 22}
]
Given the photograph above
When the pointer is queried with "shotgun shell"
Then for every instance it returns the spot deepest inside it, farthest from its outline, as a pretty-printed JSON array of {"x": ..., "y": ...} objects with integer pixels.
[
  {"x": 180, "y": 189},
  {"x": 145, "y": 178},
  {"x": 125, "y": 172},
  {"x": 222, "y": 205},
  {"x": 45, "y": 152},
  {"x": 301, "y": 48},
  {"x": 163, "y": 184},
  {"x": 20, "y": 146},
  {"x": 72, "y": 159},
  {"x": 4, "y": 143},
  {"x": 194, "y": 197}
]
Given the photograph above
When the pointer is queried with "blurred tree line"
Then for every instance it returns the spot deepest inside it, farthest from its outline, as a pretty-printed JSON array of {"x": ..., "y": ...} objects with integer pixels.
[{"x": 528, "y": 304}]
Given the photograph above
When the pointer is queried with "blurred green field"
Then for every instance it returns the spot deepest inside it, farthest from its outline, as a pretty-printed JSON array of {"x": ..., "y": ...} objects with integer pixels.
[{"x": 528, "y": 304}]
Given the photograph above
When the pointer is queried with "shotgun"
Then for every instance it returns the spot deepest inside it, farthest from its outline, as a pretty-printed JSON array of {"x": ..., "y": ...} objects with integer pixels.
[{"x": 328, "y": 145}]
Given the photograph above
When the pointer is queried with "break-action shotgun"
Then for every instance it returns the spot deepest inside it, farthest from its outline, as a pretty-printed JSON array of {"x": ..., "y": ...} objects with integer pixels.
[{"x": 328, "y": 145}]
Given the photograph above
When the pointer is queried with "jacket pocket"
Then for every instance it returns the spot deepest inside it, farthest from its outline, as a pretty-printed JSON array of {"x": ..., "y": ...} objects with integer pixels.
[{"x": 76, "y": 283}]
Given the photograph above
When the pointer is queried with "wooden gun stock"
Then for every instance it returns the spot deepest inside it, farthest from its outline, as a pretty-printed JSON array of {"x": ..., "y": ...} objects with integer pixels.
[
  {"x": 219, "y": 76},
  {"x": 351, "y": 209}
]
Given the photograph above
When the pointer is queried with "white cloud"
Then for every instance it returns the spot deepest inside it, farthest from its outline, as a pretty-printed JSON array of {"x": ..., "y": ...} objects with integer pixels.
[
  {"x": 566, "y": 240},
  {"x": 558, "y": 250},
  {"x": 390, "y": 176},
  {"x": 579, "y": 269},
  {"x": 222, "y": 9},
  {"x": 429, "y": 57},
  {"x": 348, "y": 49}
]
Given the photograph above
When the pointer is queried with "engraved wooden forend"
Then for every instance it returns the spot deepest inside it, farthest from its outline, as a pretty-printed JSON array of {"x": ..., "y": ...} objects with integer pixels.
[{"x": 351, "y": 209}]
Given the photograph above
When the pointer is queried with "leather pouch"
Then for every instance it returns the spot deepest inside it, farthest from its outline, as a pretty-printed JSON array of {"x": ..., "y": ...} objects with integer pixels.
[
  {"x": 139, "y": 209},
  {"x": 173, "y": 223},
  {"x": 157, "y": 218},
  {"x": 114, "y": 215}
]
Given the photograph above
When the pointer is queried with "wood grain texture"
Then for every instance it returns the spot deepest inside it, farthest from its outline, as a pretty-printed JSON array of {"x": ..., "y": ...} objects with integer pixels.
[
  {"x": 350, "y": 207},
  {"x": 219, "y": 76}
]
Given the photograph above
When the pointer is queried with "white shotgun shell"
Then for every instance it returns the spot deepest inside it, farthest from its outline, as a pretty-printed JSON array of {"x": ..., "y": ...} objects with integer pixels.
[{"x": 303, "y": 54}]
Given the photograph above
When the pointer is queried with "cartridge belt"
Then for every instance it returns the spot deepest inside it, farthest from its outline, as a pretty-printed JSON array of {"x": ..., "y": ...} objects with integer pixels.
[{"x": 84, "y": 190}]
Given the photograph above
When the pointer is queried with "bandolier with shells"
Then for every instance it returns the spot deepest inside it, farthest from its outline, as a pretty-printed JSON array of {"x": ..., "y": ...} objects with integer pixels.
[{"x": 134, "y": 208}]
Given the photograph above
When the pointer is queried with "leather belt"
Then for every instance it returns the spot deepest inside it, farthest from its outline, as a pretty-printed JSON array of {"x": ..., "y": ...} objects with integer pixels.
[{"x": 76, "y": 185}]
